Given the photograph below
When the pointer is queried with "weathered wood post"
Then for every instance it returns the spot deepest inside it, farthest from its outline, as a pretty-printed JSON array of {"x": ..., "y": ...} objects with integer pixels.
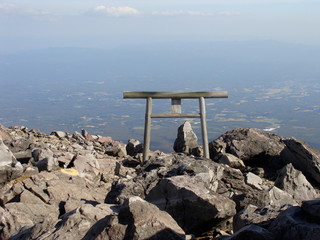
[{"x": 176, "y": 112}]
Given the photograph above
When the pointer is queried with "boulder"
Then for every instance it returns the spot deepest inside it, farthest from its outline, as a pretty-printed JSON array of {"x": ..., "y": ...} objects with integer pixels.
[
  {"x": 262, "y": 217},
  {"x": 86, "y": 135},
  {"x": 295, "y": 223},
  {"x": 85, "y": 163},
  {"x": 59, "y": 134},
  {"x": 253, "y": 180},
  {"x": 4, "y": 133},
  {"x": 279, "y": 197},
  {"x": 190, "y": 203},
  {"x": 18, "y": 216},
  {"x": 161, "y": 166},
  {"x": 10, "y": 168},
  {"x": 139, "y": 219},
  {"x": 116, "y": 151},
  {"x": 247, "y": 143},
  {"x": 102, "y": 139},
  {"x": 186, "y": 139},
  {"x": 250, "y": 145},
  {"x": 231, "y": 161},
  {"x": 252, "y": 232},
  {"x": 134, "y": 147},
  {"x": 84, "y": 222},
  {"x": 303, "y": 157},
  {"x": 312, "y": 208},
  {"x": 294, "y": 182},
  {"x": 44, "y": 159}
]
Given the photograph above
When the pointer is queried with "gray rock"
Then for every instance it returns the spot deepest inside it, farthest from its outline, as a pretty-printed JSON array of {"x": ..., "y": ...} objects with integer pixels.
[
  {"x": 85, "y": 163},
  {"x": 59, "y": 134},
  {"x": 116, "y": 151},
  {"x": 296, "y": 224},
  {"x": 253, "y": 180},
  {"x": 160, "y": 166},
  {"x": 186, "y": 139},
  {"x": 18, "y": 216},
  {"x": 86, "y": 135},
  {"x": 251, "y": 196},
  {"x": 134, "y": 147},
  {"x": 231, "y": 161},
  {"x": 252, "y": 232},
  {"x": 262, "y": 217},
  {"x": 76, "y": 224},
  {"x": 312, "y": 208},
  {"x": 303, "y": 157},
  {"x": 144, "y": 220},
  {"x": 247, "y": 143},
  {"x": 279, "y": 197},
  {"x": 190, "y": 203},
  {"x": 250, "y": 145},
  {"x": 44, "y": 159},
  {"x": 294, "y": 182},
  {"x": 10, "y": 168}
]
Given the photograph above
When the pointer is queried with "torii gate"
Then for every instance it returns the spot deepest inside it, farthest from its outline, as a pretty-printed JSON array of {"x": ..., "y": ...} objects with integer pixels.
[{"x": 175, "y": 112}]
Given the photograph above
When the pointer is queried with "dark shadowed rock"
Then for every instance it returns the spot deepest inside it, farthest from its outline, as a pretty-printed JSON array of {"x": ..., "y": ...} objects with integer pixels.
[
  {"x": 190, "y": 203},
  {"x": 134, "y": 147},
  {"x": 254, "y": 215},
  {"x": 295, "y": 223},
  {"x": 186, "y": 139},
  {"x": 294, "y": 182},
  {"x": 252, "y": 232},
  {"x": 251, "y": 146},
  {"x": 312, "y": 208},
  {"x": 303, "y": 157}
]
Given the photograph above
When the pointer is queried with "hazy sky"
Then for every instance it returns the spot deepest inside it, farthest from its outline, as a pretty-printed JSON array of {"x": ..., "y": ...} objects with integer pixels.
[{"x": 28, "y": 24}]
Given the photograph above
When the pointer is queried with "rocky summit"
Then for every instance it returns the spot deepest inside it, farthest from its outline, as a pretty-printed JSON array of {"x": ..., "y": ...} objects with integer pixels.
[{"x": 81, "y": 186}]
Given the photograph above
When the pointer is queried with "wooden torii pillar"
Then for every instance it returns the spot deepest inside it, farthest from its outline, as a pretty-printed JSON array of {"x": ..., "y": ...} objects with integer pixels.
[{"x": 175, "y": 112}]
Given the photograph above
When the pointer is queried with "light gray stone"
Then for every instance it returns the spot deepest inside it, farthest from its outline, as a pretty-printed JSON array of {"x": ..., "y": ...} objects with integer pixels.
[
  {"x": 231, "y": 161},
  {"x": 10, "y": 168},
  {"x": 279, "y": 197},
  {"x": 294, "y": 182},
  {"x": 59, "y": 134},
  {"x": 146, "y": 221},
  {"x": 186, "y": 139},
  {"x": 253, "y": 180}
]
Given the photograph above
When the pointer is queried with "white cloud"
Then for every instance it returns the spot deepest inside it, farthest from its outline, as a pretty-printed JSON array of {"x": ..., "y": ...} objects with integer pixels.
[
  {"x": 7, "y": 6},
  {"x": 11, "y": 8},
  {"x": 193, "y": 13},
  {"x": 117, "y": 11}
]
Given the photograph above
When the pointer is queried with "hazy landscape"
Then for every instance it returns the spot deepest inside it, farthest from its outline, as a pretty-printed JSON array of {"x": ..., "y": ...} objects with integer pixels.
[{"x": 272, "y": 85}]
